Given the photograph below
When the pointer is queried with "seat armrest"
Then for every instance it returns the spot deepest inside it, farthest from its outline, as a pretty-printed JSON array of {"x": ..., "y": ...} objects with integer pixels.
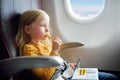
[
  {"x": 14, "y": 65},
  {"x": 71, "y": 45}
]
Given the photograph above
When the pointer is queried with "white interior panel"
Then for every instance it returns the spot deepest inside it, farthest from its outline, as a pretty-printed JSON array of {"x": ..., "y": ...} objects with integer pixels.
[{"x": 101, "y": 38}]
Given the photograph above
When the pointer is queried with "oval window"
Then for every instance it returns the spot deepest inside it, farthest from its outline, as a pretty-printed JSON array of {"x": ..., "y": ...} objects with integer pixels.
[{"x": 84, "y": 10}]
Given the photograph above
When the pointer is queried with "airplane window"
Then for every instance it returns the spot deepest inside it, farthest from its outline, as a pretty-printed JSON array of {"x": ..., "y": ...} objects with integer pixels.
[{"x": 84, "y": 10}]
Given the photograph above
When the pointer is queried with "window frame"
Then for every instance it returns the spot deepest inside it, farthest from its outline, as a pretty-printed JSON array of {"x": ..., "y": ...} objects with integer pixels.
[{"x": 81, "y": 20}]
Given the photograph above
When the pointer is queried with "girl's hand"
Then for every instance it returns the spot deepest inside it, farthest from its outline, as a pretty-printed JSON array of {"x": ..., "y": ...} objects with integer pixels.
[
  {"x": 73, "y": 65},
  {"x": 56, "y": 44}
]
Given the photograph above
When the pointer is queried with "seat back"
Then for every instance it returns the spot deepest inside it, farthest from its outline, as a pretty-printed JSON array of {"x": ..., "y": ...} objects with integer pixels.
[{"x": 10, "y": 11}]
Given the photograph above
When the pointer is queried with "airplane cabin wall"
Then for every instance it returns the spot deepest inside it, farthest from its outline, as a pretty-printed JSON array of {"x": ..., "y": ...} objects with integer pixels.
[{"x": 101, "y": 38}]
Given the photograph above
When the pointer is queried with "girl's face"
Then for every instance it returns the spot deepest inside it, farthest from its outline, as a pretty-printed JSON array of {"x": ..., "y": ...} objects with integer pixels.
[{"x": 39, "y": 28}]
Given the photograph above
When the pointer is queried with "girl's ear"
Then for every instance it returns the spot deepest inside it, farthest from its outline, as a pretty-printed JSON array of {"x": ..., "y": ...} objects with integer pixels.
[{"x": 27, "y": 29}]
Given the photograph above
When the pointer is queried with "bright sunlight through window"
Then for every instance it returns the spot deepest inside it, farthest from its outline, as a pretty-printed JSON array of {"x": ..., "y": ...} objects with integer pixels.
[{"x": 84, "y": 10}]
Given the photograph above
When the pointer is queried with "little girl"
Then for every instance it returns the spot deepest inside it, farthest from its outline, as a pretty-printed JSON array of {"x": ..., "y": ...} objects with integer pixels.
[{"x": 31, "y": 38}]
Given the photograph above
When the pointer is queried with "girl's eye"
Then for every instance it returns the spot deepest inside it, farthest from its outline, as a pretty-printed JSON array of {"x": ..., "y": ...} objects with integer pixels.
[{"x": 43, "y": 25}]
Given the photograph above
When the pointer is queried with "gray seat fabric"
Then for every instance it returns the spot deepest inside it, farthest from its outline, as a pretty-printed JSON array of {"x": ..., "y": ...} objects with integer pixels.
[{"x": 10, "y": 11}]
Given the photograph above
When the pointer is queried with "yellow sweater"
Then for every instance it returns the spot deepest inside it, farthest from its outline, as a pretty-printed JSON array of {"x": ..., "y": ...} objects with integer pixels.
[{"x": 32, "y": 49}]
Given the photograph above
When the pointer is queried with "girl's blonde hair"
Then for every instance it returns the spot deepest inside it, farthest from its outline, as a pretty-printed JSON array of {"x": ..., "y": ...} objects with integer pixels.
[{"x": 27, "y": 18}]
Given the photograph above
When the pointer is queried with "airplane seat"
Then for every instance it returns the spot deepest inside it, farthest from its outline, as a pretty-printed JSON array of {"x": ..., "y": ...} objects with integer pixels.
[
  {"x": 10, "y": 14},
  {"x": 10, "y": 11}
]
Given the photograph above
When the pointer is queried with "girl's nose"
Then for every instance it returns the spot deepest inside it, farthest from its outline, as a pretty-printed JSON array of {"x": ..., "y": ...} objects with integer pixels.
[{"x": 46, "y": 29}]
